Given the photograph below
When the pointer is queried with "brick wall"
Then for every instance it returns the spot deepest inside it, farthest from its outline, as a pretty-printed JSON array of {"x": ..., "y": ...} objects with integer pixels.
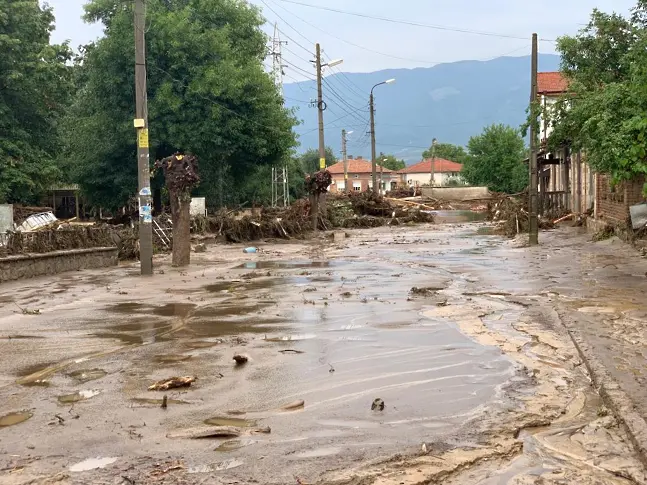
[{"x": 613, "y": 202}]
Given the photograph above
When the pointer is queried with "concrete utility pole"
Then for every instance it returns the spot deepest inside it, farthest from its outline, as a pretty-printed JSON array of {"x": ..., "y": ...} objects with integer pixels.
[
  {"x": 345, "y": 159},
  {"x": 141, "y": 125},
  {"x": 373, "y": 163},
  {"x": 372, "y": 109},
  {"x": 320, "y": 108},
  {"x": 533, "y": 230},
  {"x": 432, "y": 181}
]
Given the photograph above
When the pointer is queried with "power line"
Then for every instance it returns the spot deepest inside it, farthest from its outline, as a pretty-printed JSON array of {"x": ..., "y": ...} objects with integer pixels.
[
  {"x": 411, "y": 23},
  {"x": 286, "y": 23}
]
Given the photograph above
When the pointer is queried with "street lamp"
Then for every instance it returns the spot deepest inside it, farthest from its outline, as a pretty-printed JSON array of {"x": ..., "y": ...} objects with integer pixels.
[{"x": 372, "y": 107}]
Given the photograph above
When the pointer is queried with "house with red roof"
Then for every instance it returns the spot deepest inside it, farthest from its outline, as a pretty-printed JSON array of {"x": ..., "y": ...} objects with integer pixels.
[
  {"x": 420, "y": 173},
  {"x": 360, "y": 176},
  {"x": 550, "y": 87}
]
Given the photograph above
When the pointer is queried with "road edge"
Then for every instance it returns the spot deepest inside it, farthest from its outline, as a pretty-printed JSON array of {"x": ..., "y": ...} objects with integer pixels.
[{"x": 620, "y": 404}]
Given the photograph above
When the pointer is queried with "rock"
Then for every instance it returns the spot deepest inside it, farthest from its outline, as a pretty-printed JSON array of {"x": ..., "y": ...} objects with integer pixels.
[
  {"x": 200, "y": 248},
  {"x": 293, "y": 406},
  {"x": 240, "y": 359},
  {"x": 378, "y": 405}
]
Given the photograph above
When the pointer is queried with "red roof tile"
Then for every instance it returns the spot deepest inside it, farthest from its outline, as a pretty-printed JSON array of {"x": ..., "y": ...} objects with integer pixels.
[
  {"x": 441, "y": 166},
  {"x": 551, "y": 83},
  {"x": 355, "y": 166}
]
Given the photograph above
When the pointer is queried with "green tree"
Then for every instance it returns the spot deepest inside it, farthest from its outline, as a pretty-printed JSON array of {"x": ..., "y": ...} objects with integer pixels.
[
  {"x": 390, "y": 162},
  {"x": 207, "y": 91},
  {"x": 454, "y": 153},
  {"x": 496, "y": 160},
  {"x": 310, "y": 159},
  {"x": 34, "y": 90},
  {"x": 605, "y": 111}
]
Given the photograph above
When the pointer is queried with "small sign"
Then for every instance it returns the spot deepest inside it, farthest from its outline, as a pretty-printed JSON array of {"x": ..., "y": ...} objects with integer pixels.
[
  {"x": 322, "y": 163},
  {"x": 145, "y": 210},
  {"x": 148, "y": 219},
  {"x": 145, "y": 191},
  {"x": 142, "y": 138}
]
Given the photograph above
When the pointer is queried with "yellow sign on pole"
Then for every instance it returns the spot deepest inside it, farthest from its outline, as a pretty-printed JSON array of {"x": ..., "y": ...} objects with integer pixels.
[
  {"x": 322, "y": 163},
  {"x": 142, "y": 138}
]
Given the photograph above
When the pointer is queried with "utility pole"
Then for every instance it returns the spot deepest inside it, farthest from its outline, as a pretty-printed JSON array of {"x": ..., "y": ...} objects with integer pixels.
[
  {"x": 141, "y": 125},
  {"x": 320, "y": 107},
  {"x": 345, "y": 159},
  {"x": 277, "y": 59},
  {"x": 373, "y": 162},
  {"x": 432, "y": 180},
  {"x": 533, "y": 230}
]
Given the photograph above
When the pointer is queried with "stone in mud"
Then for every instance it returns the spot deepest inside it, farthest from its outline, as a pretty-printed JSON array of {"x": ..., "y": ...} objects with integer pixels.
[
  {"x": 172, "y": 383},
  {"x": 200, "y": 248},
  {"x": 241, "y": 359},
  {"x": 203, "y": 432},
  {"x": 293, "y": 405},
  {"x": 378, "y": 405}
]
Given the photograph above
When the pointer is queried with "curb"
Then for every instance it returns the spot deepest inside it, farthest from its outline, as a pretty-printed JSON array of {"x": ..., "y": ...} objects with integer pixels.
[{"x": 610, "y": 391}]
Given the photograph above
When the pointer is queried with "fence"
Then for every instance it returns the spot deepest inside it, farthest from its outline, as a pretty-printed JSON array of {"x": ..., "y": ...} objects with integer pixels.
[
  {"x": 553, "y": 204},
  {"x": 55, "y": 240}
]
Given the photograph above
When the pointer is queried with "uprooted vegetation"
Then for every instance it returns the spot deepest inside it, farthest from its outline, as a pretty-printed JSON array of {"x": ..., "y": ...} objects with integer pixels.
[
  {"x": 511, "y": 214},
  {"x": 338, "y": 211}
]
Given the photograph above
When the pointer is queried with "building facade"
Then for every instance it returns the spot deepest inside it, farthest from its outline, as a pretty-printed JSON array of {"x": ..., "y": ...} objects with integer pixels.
[
  {"x": 360, "y": 176},
  {"x": 445, "y": 171}
]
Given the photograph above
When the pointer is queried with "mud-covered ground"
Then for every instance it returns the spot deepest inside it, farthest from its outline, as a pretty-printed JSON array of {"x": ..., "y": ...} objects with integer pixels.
[{"x": 480, "y": 382}]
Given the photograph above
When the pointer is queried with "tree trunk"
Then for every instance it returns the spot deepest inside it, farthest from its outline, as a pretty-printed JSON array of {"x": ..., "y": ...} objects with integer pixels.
[{"x": 181, "y": 217}]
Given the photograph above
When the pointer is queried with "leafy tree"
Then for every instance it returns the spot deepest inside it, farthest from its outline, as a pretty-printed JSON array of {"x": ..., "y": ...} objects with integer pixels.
[
  {"x": 310, "y": 159},
  {"x": 34, "y": 90},
  {"x": 605, "y": 111},
  {"x": 447, "y": 151},
  {"x": 496, "y": 160},
  {"x": 390, "y": 162},
  {"x": 207, "y": 93}
]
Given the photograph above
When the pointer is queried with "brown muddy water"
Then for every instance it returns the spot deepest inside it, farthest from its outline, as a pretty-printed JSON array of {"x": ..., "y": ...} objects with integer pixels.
[{"x": 327, "y": 330}]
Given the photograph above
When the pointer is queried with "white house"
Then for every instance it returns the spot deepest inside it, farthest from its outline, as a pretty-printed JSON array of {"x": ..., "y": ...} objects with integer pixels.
[{"x": 420, "y": 173}]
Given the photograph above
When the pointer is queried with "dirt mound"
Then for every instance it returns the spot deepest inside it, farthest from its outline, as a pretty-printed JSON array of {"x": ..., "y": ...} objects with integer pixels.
[{"x": 63, "y": 238}]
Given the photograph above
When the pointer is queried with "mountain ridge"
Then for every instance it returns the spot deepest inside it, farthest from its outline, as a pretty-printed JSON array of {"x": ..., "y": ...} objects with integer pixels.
[{"x": 449, "y": 102}]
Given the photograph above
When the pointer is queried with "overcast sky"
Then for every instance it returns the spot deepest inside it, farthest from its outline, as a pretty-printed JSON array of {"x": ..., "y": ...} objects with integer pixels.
[{"x": 380, "y": 44}]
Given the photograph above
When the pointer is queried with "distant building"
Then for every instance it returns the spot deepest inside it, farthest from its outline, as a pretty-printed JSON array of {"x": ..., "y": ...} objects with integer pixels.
[
  {"x": 420, "y": 173},
  {"x": 360, "y": 174}
]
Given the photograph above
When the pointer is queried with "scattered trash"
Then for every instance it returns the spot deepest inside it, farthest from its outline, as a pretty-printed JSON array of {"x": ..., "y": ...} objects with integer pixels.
[
  {"x": 241, "y": 359},
  {"x": 332, "y": 369},
  {"x": 172, "y": 383},
  {"x": 250, "y": 250},
  {"x": 92, "y": 464},
  {"x": 294, "y": 406},
  {"x": 164, "y": 402},
  {"x": 27, "y": 311},
  {"x": 378, "y": 405},
  {"x": 424, "y": 447},
  {"x": 78, "y": 396},
  {"x": 291, "y": 351}
]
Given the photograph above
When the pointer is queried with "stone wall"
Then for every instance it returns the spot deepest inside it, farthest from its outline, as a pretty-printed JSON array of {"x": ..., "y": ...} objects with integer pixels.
[
  {"x": 30, "y": 265},
  {"x": 456, "y": 193},
  {"x": 613, "y": 202}
]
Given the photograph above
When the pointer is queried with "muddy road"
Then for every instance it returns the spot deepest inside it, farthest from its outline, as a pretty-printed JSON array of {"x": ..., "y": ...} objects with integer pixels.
[{"x": 445, "y": 324}]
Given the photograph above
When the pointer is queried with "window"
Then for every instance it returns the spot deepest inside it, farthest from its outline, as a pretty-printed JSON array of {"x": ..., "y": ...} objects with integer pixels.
[
  {"x": 341, "y": 186},
  {"x": 357, "y": 188}
]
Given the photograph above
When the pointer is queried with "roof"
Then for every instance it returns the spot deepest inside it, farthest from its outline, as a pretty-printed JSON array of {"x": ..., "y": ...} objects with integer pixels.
[
  {"x": 551, "y": 83},
  {"x": 440, "y": 166},
  {"x": 356, "y": 166}
]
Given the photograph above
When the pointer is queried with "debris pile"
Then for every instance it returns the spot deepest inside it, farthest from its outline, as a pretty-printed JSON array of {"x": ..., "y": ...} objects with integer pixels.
[
  {"x": 510, "y": 212},
  {"x": 64, "y": 237},
  {"x": 21, "y": 213}
]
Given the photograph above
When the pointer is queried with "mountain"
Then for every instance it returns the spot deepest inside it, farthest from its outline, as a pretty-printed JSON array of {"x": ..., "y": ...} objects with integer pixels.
[{"x": 450, "y": 102}]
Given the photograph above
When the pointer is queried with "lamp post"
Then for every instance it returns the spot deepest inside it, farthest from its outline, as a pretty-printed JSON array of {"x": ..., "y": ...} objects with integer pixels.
[
  {"x": 432, "y": 181},
  {"x": 344, "y": 134},
  {"x": 372, "y": 108}
]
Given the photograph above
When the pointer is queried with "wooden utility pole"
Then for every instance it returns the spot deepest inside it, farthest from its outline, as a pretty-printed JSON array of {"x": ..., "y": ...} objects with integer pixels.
[
  {"x": 533, "y": 229},
  {"x": 345, "y": 159},
  {"x": 373, "y": 162},
  {"x": 141, "y": 125}
]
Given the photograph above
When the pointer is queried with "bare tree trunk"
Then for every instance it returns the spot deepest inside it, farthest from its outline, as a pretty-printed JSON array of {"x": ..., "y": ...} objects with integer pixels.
[{"x": 181, "y": 217}]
